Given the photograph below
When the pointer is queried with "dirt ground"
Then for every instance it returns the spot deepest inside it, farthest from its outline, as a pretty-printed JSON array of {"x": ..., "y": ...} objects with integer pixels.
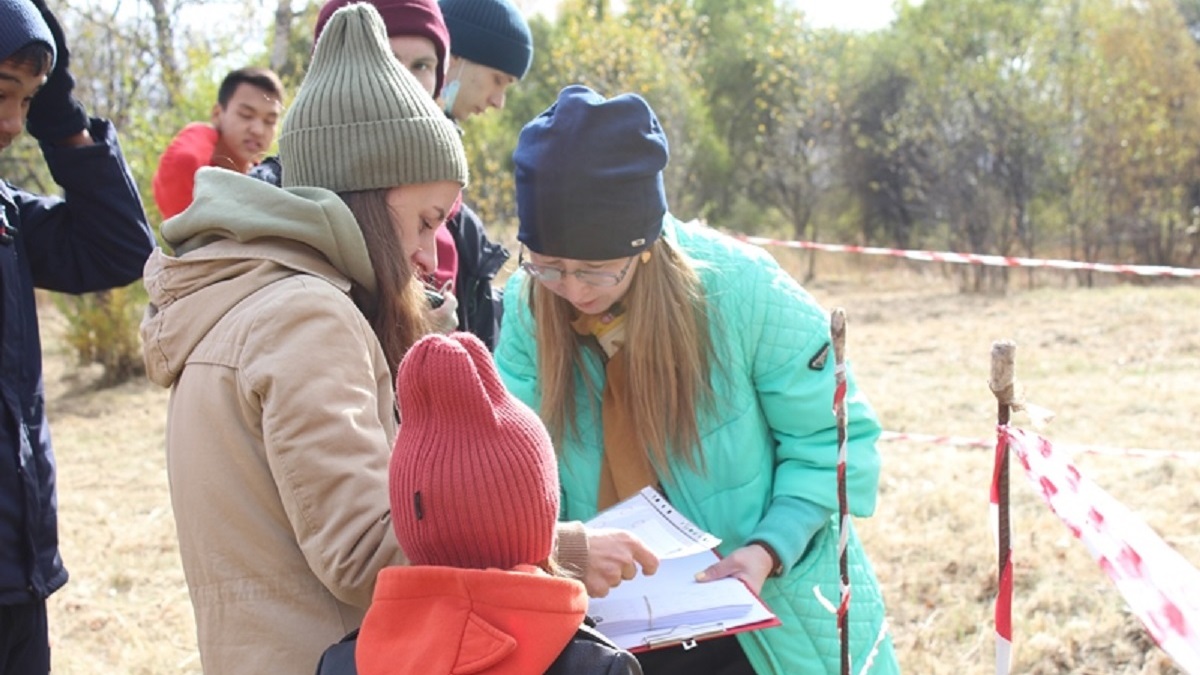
[{"x": 1118, "y": 364}]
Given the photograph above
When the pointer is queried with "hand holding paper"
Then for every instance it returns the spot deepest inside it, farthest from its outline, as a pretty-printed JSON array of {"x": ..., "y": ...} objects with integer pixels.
[{"x": 750, "y": 564}]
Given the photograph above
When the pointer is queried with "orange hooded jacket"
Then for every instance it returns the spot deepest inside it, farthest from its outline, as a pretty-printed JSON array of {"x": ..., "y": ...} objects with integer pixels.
[{"x": 428, "y": 620}]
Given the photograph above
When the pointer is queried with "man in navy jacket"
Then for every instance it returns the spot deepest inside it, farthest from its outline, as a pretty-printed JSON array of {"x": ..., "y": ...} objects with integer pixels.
[{"x": 96, "y": 238}]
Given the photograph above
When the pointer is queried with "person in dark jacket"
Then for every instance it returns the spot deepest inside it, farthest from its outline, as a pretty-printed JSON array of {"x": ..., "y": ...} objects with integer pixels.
[
  {"x": 473, "y": 482},
  {"x": 96, "y": 238},
  {"x": 491, "y": 49},
  {"x": 480, "y": 303}
]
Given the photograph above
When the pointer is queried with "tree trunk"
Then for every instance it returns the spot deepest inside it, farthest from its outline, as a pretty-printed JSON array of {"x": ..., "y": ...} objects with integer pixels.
[
  {"x": 282, "y": 35},
  {"x": 800, "y": 228},
  {"x": 165, "y": 44}
]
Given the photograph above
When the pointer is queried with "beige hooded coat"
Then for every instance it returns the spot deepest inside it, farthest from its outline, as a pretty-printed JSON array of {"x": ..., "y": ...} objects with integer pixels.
[{"x": 280, "y": 422}]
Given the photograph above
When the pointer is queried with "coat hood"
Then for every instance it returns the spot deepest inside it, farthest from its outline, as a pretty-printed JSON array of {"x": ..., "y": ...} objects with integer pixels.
[
  {"x": 239, "y": 235},
  {"x": 443, "y": 620},
  {"x": 229, "y": 205}
]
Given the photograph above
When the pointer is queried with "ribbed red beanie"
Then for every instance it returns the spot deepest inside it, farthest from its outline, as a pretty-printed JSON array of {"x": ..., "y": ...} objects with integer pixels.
[
  {"x": 473, "y": 477},
  {"x": 422, "y": 18}
]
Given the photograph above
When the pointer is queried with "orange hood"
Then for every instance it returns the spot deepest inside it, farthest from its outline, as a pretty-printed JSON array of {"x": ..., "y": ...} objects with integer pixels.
[{"x": 445, "y": 620}]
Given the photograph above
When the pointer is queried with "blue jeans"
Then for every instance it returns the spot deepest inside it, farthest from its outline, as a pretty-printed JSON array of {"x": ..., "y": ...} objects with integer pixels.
[{"x": 24, "y": 639}]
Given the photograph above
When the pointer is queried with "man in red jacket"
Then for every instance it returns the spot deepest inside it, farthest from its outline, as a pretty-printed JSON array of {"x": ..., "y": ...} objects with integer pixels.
[{"x": 249, "y": 105}]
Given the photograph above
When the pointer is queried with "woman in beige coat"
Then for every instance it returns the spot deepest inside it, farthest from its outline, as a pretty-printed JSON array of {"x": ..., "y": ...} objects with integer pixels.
[{"x": 278, "y": 326}]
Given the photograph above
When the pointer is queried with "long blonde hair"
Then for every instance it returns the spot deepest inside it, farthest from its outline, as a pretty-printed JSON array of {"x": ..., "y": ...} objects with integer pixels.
[
  {"x": 669, "y": 357},
  {"x": 397, "y": 310}
]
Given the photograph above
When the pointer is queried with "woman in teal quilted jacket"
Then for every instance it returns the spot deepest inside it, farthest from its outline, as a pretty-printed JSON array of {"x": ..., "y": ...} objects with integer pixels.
[{"x": 664, "y": 353}]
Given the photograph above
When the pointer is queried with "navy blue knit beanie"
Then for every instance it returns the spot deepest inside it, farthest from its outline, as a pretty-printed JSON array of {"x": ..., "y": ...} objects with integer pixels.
[
  {"x": 20, "y": 24},
  {"x": 589, "y": 177},
  {"x": 489, "y": 32}
]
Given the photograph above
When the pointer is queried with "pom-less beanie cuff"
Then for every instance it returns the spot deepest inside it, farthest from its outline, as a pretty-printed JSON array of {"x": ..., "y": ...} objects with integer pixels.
[
  {"x": 426, "y": 154},
  {"x": 599, "y": 228},
  {"x": 492, "y": 33},
  {"x": 21, "y": 24}
]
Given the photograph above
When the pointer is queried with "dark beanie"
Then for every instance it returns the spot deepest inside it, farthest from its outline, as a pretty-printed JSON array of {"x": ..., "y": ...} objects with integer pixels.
[
  {"x": 422, "y": 18},
  {"x": 589, "y": 177},
  {"x": 489, "y": 32},
  {"x": 473, "y": 478},
  {"x": 20, "y": 24}
]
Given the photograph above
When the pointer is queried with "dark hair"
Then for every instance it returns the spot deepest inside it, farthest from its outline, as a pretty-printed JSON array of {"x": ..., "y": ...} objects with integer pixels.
[
  {"x": 35, "y": 55},
  {"x": 397, "y": 310},
  {"x": 262, "y": 78}
]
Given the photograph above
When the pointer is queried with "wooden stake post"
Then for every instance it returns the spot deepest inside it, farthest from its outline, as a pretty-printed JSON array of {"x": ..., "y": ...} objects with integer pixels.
[
  {"x": 837, "y": 333},
  {"x": 1002, "y": 385}
]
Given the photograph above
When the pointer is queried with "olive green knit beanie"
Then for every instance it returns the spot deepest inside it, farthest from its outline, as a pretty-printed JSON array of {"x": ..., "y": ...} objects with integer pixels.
[{"x": 360, "y": 120}]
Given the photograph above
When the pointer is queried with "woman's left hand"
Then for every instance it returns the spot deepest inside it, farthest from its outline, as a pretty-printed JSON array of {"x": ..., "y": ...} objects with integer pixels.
[{"x": 750, "y": 563}]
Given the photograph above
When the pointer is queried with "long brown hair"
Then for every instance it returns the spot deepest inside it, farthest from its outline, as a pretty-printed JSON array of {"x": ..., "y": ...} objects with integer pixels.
[
  {"x": 397, "y": 309},
  {"x": 670, "y": 357}
]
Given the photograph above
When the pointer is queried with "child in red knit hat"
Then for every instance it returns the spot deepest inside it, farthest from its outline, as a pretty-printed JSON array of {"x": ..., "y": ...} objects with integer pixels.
[{"x": 474, "y": 493}]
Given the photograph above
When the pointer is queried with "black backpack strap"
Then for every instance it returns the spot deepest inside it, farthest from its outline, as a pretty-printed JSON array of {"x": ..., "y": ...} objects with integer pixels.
[
  {"x": 587, "y": 631},
  {"x": 338, "y": 659},
  {"x": 590, "y": 653}
]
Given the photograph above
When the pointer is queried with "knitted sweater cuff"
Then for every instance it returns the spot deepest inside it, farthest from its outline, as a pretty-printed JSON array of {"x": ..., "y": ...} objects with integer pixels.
[{"x": 571, "y": 548}]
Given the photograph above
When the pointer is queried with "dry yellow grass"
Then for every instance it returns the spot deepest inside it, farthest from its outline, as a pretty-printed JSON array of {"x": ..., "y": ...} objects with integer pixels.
[{"x": 1120, "y": 365}]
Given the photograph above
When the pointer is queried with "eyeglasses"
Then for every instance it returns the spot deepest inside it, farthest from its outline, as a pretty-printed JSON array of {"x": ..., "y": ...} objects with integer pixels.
[{"x": 548, "y": 274}]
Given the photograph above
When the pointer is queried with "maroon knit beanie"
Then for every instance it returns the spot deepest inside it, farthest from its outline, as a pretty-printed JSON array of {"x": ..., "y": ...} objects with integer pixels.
[
  {"x": 422, "y": 18},
  {"x": 473, "y": 478}
]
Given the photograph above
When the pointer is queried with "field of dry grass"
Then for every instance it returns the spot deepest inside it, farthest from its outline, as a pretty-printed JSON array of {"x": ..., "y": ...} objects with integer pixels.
[{"x": 1119, "y": 364}]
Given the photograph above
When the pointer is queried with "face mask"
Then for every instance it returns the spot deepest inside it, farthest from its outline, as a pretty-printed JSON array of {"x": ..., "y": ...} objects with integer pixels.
[{"x": 450, "y": 91}]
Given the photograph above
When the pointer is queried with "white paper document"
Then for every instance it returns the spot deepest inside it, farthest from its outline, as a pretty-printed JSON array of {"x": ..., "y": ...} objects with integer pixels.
[
  {"x": 666, "y": 531},
  {"x": 671, "y": 606}
]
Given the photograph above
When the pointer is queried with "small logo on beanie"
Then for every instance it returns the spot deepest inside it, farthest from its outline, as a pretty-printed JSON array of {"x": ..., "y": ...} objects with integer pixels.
[
  {"x": 637, "y": 242},
  {"x": 417, "y": 506}
]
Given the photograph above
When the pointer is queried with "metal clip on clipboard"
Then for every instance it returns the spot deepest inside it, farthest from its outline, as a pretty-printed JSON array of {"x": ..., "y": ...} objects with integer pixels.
[{"x": 686, "y": 636}]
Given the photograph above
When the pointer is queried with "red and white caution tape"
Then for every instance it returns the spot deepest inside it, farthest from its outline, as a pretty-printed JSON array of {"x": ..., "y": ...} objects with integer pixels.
[
  {"x": 1160, "y": 586},
  {"x": 978, "y": 259},
  {"x": 1002, "y": 616},
  {"x": 962, "y": 441}
]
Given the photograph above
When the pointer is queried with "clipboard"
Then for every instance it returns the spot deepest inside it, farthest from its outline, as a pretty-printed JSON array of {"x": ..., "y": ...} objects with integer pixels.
[
  {"x": 739, "y": 608},
  {"x": 688, "y": 636}
]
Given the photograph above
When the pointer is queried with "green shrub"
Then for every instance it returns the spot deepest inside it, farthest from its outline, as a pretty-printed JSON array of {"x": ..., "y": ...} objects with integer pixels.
[{"x": 103, "y": 328}]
